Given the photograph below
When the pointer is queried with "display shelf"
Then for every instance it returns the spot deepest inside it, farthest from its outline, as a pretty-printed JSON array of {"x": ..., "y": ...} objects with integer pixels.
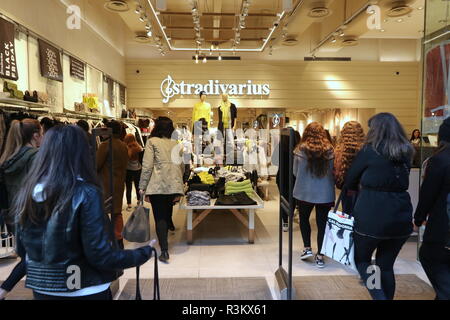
[{"x": 22, "y": 103}]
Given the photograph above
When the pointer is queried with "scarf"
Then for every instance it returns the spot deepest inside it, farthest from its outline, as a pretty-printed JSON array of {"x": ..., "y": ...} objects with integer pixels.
[{"x": 225, "y": 107}]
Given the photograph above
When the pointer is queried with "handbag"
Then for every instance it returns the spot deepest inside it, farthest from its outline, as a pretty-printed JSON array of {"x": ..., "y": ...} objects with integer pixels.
[
  {"x": 137, "y": 228},
  {"x": 338, "y": 243}
]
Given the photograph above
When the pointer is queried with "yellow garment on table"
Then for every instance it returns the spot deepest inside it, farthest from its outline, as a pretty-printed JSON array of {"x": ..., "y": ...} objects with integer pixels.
[
  {"x": 225, "y": 107},
  {"x": 202, "y": 110},
  {"x": 206, "y": 178}
]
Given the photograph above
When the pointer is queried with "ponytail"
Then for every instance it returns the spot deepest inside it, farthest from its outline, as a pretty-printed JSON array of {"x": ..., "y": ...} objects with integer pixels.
[{"x": 20, "y": 133}]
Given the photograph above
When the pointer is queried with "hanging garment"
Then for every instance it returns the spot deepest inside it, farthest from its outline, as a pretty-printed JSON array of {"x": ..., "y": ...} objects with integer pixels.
[
  {"x": 437, "y": 80},
  {"x": 202, "y": 110}
]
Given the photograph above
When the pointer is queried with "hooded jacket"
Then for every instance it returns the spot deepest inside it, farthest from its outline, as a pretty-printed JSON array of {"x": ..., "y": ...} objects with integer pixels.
[{"x": 16, "y": 170}]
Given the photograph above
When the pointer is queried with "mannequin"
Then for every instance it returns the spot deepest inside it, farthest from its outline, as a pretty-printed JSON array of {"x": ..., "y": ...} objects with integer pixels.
[
  {"x": 227, "y": 114},
  {"x": 202, "y": 110}
]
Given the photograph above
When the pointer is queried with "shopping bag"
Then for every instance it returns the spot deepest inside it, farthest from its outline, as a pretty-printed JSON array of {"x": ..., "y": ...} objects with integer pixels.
[
  {"x": 338, "y": 241},
  {"x": 137, "y": 228}
]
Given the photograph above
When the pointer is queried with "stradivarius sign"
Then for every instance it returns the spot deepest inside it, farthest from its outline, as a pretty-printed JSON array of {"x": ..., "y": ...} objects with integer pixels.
[{"x": 170, "y": 89}]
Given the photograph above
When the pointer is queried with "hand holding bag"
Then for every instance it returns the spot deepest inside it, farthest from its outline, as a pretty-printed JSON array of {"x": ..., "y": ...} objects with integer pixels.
[
  {"x": 137, "y": 228},
  {"x": 338, "y": 242},
  {"x": 156, "y": 290}
]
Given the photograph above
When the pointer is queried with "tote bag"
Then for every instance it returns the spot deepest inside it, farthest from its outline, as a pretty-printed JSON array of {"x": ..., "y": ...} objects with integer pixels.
[
  {"x": 338, "y": 242},
  {"x": 137, "y": 228}
]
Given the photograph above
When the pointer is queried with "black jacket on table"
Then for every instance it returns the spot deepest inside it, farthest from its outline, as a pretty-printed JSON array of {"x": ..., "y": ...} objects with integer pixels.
[
  {"x": 233, "y": 116},
  {"x": 383, "y": 209},
  {"x": 77, "y": 237},
  {"x": 433, "y": 199}
]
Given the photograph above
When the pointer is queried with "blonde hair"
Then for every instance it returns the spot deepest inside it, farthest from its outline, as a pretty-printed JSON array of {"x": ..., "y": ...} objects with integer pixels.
[{"x": 20, "y": 133}]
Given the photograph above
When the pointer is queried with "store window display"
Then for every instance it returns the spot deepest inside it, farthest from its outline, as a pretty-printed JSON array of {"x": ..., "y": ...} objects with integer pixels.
[{"x": 227, "y": 114}]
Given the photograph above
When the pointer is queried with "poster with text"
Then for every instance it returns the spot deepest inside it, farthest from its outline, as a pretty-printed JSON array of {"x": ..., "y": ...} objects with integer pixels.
[
  {"x": 8, "y": 62},
  {"x": 50, "y": 61}
]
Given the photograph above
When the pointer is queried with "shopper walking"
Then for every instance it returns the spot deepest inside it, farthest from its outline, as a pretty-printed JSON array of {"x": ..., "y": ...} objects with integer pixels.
[
  {"x": 383, "y": 210},
  {"x": 162, "y": 179},
  {"x": 79, "y": 261},
  {"x": 350, "y": 142},
  {"x": 314, "y": 185},
  {"x": 433, "y": 203},
  {"x": 22, "y": 143},
  {"x": 134, "y": 167},
  {"x": 119, "y": 167}
]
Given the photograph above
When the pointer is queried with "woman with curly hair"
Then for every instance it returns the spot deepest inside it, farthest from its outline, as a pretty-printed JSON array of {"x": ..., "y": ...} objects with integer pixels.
[
  {"x": 314, "y": 186},
  {"x": 350, "y": 142}
]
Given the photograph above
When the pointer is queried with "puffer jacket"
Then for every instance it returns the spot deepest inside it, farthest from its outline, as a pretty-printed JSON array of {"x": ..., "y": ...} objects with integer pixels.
[
  {"x": 160, "y": 173},
  {"x": 16, "y": 169},
  {"x": 77, "y": 238}
]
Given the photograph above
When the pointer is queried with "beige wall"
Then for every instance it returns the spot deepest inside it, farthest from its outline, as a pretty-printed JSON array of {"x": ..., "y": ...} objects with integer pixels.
[
  {"x": 100, "y": 41},
  {"x": 294, "y": 85}
]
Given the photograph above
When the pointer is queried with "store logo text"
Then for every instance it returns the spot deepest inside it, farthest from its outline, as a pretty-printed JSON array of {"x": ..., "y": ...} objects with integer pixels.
[{"x": 170, "y": 89}]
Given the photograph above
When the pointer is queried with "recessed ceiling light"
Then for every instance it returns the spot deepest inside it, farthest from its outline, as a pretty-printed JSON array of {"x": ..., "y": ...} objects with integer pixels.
[
  {"x": 149, "y": 33},
  {"x": 420, "y": 8},
  {"x": 333, "y": 40},
  {"x": 382, "y": 30},
  {"x": 400, "y": 20}
]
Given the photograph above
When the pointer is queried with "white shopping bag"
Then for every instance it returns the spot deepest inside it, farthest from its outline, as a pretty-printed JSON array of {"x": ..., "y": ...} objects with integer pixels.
[{"x": 338, "y": 242}]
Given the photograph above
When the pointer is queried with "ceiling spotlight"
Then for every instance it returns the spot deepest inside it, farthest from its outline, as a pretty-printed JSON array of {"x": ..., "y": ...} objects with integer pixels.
[
  {"x": 147, "y": 26},
  {"x": 333, "y": 40},
  {"x": 400, "y": 20},
  {"x": 143, "y": 18},
  {"x": 138, "y": 9},
  {"x": 341, "y": 34},
  {"x": 149, "y": 33},
  {"x": 205, "y": 60},
  {"x": 420, "y": 8}
]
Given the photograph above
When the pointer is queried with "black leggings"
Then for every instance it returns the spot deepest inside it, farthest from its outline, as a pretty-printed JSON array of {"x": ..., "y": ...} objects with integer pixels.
[
  {"x": 132, "y": 176},
  {"x": 19, "y": 271},
  {"x": 387, "y": 252},
  {"x": 305, "y": 210},
  {"x": 105, "y": 295},
  {"x": 162, "y": 210},
  {"x": 435, "y": 260}
]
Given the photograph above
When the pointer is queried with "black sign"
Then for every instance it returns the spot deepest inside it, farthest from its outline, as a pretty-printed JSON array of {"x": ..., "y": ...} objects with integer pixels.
[
  {"x": 76, "y": 69},
  {"x": 50, "y": 60},
  {"x": 8, "y": 62}
]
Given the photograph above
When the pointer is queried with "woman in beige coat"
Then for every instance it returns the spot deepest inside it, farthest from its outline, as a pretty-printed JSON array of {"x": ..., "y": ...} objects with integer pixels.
[{"x": 162, "y": 178}]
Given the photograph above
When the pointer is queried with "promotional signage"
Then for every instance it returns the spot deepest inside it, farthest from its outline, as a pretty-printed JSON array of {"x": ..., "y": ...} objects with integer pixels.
[
  {"x": 123, "y": 95},
  {"x": 170, "y": 89},
  {"x": 76, "y": 69},
  {"x": 8, "y": 62},
  {"x": 50, "y": 60}
]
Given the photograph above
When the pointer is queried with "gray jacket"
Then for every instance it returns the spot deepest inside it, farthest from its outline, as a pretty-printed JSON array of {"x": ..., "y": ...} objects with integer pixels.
[
  {"x": 310, "y": 188},
  {"x": 160, "y": 174}
]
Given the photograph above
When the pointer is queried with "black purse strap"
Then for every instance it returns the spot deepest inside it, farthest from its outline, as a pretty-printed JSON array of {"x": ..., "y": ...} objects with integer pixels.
[
  {"x": 156, "y": 290},
  {"x": 339, "y": 201}
]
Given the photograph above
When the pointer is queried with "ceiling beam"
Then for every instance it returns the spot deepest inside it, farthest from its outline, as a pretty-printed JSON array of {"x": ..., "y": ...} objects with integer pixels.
[
  {"x": 216, "y": 28},
  {"x": 216, "y": 40}
]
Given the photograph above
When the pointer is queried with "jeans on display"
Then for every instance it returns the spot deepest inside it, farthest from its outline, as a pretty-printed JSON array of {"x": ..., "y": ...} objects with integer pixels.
[
  {"x": 435, "y": 261},
  {"x": 19, "y": 271},
  {"x": 105, "y": 295},
  {"x": 305, "y": 210},
  {"x": 132, "y": 177},
  {"x": 387, "y": 252},
  {"x": 162, "y": 205}
]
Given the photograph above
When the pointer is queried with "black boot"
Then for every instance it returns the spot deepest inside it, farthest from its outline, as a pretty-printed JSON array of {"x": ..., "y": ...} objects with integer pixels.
[{"x": 164, "y": 257}]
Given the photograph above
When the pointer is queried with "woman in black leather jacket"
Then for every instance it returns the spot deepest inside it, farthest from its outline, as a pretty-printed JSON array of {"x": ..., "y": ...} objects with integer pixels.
[{"x": 62, "y": 227}]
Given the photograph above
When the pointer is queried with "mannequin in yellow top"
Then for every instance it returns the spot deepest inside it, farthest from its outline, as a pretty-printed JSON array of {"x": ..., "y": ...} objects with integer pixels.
[{"x": 202, "y": 110}]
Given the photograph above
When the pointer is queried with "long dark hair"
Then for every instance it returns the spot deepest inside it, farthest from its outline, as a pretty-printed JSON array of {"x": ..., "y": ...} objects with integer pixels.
[
  {"x": 61, "y": 162},
  {"x": 163, "y": 128},
  {"x": 387, "y": 137},
  {"x": 317, "y": 148},
  {"x": 412, "y": 134},
  {"x": 20, "y": 134}
]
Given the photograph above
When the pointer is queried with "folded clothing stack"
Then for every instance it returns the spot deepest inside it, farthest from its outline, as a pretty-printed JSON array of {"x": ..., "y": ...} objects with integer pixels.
[
  {"x": 206, "y": 178},
  {"x": 231, "y": 176},
  {"x": 198, "y": 198},
  {"x": 237, "y": 187},
  {"x": 237, "y": 199}
]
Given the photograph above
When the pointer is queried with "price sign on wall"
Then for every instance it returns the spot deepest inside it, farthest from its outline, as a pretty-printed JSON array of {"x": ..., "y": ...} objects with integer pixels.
[{"x": 77, "y": 68}]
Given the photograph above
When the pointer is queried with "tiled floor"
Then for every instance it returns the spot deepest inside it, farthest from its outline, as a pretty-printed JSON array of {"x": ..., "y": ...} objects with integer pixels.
[{"x": 221, "y": 249}]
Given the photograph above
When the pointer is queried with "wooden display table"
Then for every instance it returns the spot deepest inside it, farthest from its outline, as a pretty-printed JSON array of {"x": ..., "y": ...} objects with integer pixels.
[{"x": 235, "y": 210}]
